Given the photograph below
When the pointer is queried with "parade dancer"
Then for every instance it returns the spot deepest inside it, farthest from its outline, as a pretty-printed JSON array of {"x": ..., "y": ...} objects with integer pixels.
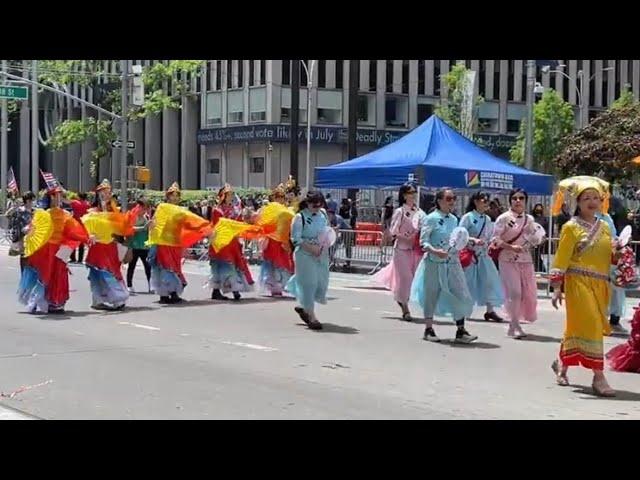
[
  {"x": 310, "y": 281},
  {"x": 407, "y": 253},
  {"x": 439, "y": 285},
  {"x": 229, "y": 269},
  {"x": 482, "y": 275},
  {"x": 104, "y": 260},
  {"x": 510, "y": 239},
  {"x": 51, "y": 237},
  {"x": 580, "y": 273},
  {"x": 171, "y": 230},
  {"x": 626, "y": 356},
  {"x": 277, "y": 258}
]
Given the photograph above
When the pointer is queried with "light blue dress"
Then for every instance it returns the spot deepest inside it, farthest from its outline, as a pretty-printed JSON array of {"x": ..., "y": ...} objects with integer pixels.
[
  {"x": 439, "y": 285},
  {"x": 310, "y": 281},
  {"x": 618, "y": 296},
  {"x": 482, "y": 275}
]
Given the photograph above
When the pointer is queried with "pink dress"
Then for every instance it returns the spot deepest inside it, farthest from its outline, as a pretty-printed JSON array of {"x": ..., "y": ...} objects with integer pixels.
[
  {"x": 516, "y": 269},
  {"x": 398, "y": 275}
]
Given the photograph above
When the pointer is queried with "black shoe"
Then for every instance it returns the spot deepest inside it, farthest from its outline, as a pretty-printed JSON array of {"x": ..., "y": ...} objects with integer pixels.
[
  {"x": 237, "y": 296},
  {"x": 217, "y": 295},
  {"x": 493, "y": 317},
  {"x": 100, "y": 306},
  {"x": 175, "y": 298},
  {"x": 165, "y": 300},
  {"x": 462, "y": 336},
  {"x": 56, "y": 311},
  {"x": 304, "y": 316},
  {"x": 430, "y": 335},
  {"x": 315, "y": 325},
  {"x": 614, "y": 320}
]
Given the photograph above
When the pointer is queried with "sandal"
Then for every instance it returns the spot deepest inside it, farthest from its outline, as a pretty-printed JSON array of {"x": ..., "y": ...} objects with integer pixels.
[
  {"x": 606, "y": 392},
  {"x": 561, "y": 378},
  {"x": 406, "y": 316}
]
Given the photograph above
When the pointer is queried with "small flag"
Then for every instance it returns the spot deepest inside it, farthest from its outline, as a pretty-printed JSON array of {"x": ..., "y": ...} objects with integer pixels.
[
  {"x": 50, "y": 180},
  {"x": 12, "y": 185}
]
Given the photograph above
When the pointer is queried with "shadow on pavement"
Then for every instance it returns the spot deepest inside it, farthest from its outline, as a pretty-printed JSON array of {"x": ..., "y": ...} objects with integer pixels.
[
  {"x": 621, "y": 395},
  {"x": 480, "y": 345},
  {"x": 532, "y": 337},
  {"x": 332, "y": 328}
]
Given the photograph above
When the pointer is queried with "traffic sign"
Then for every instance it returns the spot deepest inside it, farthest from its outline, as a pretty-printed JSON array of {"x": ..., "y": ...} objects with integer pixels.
[
  {"x": 14, "y": 93},
  {"x": 118, "y": 143}
]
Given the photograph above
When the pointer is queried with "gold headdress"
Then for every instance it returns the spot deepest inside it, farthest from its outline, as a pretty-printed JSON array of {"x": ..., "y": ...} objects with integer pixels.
[{"x": 572, "y": 187}]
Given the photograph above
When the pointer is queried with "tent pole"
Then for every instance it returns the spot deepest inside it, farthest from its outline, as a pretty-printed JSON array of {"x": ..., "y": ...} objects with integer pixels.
[{"x": 549, "y": 244}]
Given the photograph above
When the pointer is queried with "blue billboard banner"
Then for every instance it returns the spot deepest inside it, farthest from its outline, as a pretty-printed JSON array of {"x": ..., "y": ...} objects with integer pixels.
[{"x": 281, "y": 133}]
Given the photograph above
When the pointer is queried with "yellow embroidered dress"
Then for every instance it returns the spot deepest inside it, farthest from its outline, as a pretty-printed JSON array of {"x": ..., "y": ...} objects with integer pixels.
[{"x": 582, "y": 262}]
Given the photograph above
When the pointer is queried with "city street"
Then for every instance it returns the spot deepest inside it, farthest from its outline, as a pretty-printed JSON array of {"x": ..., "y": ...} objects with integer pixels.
[{"x": 256, "y": 360}]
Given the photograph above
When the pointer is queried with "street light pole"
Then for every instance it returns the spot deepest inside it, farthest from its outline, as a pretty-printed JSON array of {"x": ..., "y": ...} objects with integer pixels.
[
  {"x": 309, "y": 70},
  {"x": 124, "y": 68},
  {"x": 4, "y": 161},
  {"x": 531, "y": 83},
  {"x": 35, "y": 127}
]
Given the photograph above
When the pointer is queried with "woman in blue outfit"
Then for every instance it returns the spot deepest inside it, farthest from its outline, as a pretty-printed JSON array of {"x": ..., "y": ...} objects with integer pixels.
[
  {"x": 482, "y": 275},
  {"x": 618, "y": 295},
  {"x": 439, "y": 284},
  {"x": 311, "y": 278}
]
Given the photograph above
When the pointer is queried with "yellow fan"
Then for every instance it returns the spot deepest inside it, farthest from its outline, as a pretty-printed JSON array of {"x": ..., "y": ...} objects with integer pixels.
[
  {"x": 165, "y": 219},
  {"x": 226, "y": 230},
  {"x": 100, "y": 226},
  {"x": 40, "y": 232}
]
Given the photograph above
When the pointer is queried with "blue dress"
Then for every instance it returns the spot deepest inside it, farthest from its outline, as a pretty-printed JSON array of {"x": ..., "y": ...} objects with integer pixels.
[
  {"x": 439, "y": 285},
  {"x": 482, "y": 275},
  {"x": 618, "y": 296},
  {"x": 310, "y": 281}
]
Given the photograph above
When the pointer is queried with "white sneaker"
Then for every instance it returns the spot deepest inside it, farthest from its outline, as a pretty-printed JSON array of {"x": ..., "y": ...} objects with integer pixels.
[
  {"x": 619, "y": 330},
  {"x": 131, "y": 290}
]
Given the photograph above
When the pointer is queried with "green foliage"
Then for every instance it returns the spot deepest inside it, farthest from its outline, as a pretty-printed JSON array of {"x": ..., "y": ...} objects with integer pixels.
[
  {"x": 553, "y": 120},
  {"x": 451, "y": 111}
]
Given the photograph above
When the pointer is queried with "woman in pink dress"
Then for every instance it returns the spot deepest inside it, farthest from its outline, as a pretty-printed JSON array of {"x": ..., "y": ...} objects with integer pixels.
[
  {"x": 511, "y": 234},
  {"x": 405, "y": 229}
]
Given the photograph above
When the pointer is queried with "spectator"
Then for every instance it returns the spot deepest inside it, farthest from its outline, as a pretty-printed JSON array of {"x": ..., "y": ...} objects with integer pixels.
[
  {"x": 137, "y": 244},
  {"x": 331, "y": 203},
  {"x": 539, "y": 217},
  {"x": 353, "y": 217},
  {"x": 345, "y": 209},
  {"x": 561, "y": 219},
  {"x": 19, "y": 220},
  {"x": 347, "y": 237},
  {"x": 494, "y": 209},
  {"x": 205, "y": 210}
]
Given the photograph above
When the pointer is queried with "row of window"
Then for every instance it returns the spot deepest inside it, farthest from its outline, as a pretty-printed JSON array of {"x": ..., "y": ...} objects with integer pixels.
[{"x": 212, "y": 165}]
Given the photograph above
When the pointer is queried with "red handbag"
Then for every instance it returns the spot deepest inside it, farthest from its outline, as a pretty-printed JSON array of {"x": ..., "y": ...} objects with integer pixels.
[{"x": 467, "y": 254}]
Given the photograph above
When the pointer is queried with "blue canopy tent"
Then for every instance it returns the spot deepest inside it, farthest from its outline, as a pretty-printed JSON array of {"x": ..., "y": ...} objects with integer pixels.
[{"x": 438, "y": 156}]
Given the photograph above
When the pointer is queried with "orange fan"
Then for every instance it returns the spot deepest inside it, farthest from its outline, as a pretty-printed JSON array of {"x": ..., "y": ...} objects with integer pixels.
[{"x": 177, "y": 227}]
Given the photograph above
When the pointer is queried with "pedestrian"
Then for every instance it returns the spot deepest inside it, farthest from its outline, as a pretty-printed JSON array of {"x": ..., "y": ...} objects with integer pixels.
[
  {"x": 229, "y": 269},
  {"x": 538, "y": 214},
  {"x": 342, "y": 230},
  {"x": 581, "y": 273},
  {"x": 310, "y": 281},
  {"x": 385, "y": 220},
  {"x": 44, "y": 283},
  {"x": 108, "y": 288},
  {"x": 481, "y": 273},
  {"x": 439, "y": 285},
  {"x": 511, "y": 236},
  {"x": 292, "y": 196},
  {"x": 137, "y": 244},
  {"x": 404, "y": 229},
  {"x": 331, "y": 203}
]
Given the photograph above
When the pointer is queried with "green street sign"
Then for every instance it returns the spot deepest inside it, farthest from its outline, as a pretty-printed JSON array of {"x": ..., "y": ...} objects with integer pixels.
[{"x": 14, "y": 93}]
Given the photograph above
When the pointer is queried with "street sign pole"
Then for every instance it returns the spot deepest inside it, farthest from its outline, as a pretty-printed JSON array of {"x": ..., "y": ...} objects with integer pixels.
[
  {"x": 12, "y": 92},
  {"x": 124, "y": 69},
  {"x": 4, "y": 161}
]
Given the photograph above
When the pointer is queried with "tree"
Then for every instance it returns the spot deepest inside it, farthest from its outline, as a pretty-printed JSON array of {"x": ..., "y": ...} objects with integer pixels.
[
  {"x": 553, "y": 121},
  {"x": 458, "y": 111},
  {"x": 87, "y": 73},
  {"x": 606, "y": 146}
]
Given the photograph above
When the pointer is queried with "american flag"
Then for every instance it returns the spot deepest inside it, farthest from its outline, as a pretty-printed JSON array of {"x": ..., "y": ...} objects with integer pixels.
[
  {"x": 50, "y": 180},
  {"x": 12, "y": 185}
]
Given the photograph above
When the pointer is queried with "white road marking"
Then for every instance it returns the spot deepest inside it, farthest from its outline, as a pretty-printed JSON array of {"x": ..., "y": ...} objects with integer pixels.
[
  {"x": 252, "y": 346},
  {"x": 184, "y": 334},
  {"x": 356, "y": 308},
  {"x": 11, "y": 414},
  {"x": 137, "y": 325}
]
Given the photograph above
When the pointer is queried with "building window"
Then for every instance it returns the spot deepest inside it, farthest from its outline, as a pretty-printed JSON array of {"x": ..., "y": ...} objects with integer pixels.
[
  {"x": 488, "y": 125},
  {"x": 229, "y": 73},
  {"x": 213, "y": 166},
  {"x": 240, "y": 73},
  {"x": 218, "y": 75},
  {"x": 251, "y": 72},
  {"x": 425, "y": 110},
  {"x": 389, "y": 76},
  {"x": 256, "y": 165},
  {"x": 496, "y": 79},
  {"x": 235, "y": 106},
  {"x": 396, "y": 112},
  {"x": 285, "y": 103},
  {"x": 405, "y": 76},
  {"x": 367, "y": 109},
  {"x": 373, "y": 75},
  {"x": 286, "y": 72},
  {"x": 263, "y": 72},
  {"x": 257, "y": 104},
  {"x": 421, "y": 78},
  {"x": 436, "y": 78},
  {"x": 510, "y": 81},
  {"x": 322, "y": 73},
  {"x": 482, "y": 79},
  {"x": 329, "y": 106},
  {"x": 339, "y": 73},
  {"x": 513, "y": 126},
  {"x": 214, "y": 108},
  {"x": 304, "y": 77}
]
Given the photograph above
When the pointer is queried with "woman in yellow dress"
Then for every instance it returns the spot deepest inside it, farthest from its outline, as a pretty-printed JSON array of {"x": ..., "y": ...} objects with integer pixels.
[{"x": 580, "y": 274}]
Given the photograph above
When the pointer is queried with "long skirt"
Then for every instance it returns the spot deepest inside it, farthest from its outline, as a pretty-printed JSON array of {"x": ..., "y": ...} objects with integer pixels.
[
  {"x": 484, "y": 282},
  {"x": 520, "y": 290},
  {"x": 310, "y": 282},
  {"x": 398, "y": 275}
]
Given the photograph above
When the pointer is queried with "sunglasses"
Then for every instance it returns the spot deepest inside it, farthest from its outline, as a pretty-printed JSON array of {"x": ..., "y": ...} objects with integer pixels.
[
  {"x": 316, "y": 205},
  {"x": 450, "y": 198}
]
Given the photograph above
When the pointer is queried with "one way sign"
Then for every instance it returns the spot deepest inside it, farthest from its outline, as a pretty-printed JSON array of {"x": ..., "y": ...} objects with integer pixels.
[{"x": 118, "y": 144}]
